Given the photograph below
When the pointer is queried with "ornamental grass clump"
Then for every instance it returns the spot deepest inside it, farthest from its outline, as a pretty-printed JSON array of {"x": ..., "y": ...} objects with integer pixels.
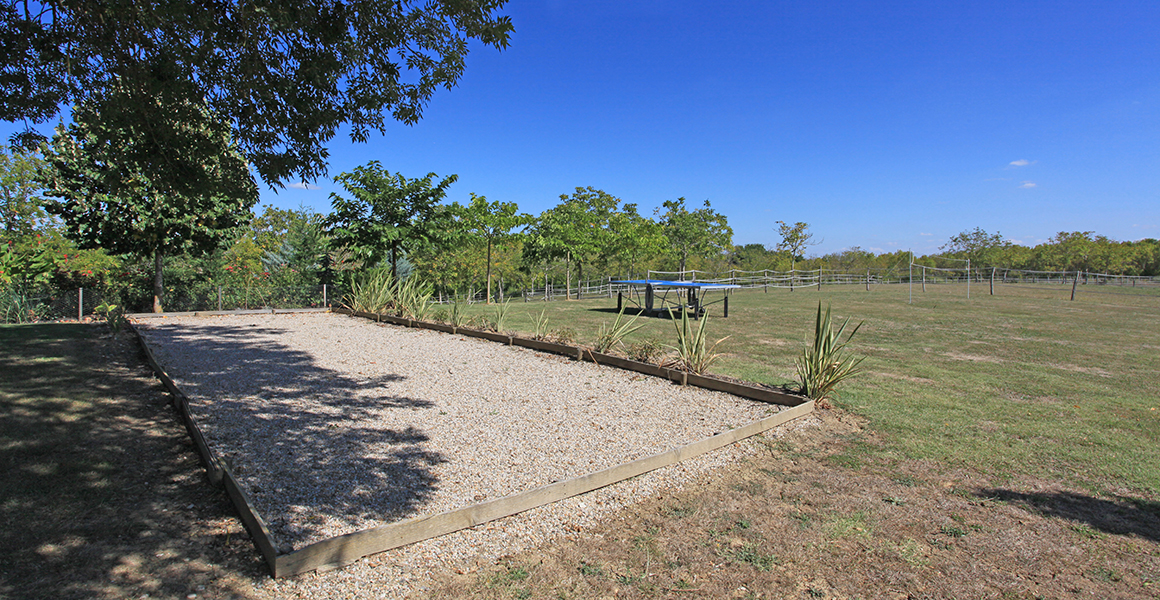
[
  {"x": 608, "y": 337},
  {"x": 541, "y": 326},
  {"x": 413, "y": 299},
  {"x": 694, "y": 355},
  {"x": 500, "y": 317},
  {"x": 373, "y": 291},
  {"x": 823, "y": 365}
]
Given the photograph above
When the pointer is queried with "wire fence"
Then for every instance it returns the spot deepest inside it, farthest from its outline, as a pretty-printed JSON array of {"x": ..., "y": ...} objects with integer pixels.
[{"x": 19, "y": 307}]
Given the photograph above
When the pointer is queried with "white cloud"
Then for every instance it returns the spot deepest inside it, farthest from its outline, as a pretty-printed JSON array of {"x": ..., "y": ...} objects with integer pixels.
[
  {"x": 1022, "y": 162},
  {"x": 926, "y": 234},
  {"x": 302, "y": 185},
  {"x": 1027, "y": 185}
]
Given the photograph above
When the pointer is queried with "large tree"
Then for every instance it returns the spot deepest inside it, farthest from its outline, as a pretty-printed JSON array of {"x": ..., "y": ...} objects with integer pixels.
[
  {"x": 492, "y": 221},
  {"x": 21, "y": 207},
  {"x": 699, "y": 232},
  {"x": 388, "y": 214},
  {"x": 284, "y": 74},
  {"x": 976, "y": 246},
  {"x": 149, "y": 177}
]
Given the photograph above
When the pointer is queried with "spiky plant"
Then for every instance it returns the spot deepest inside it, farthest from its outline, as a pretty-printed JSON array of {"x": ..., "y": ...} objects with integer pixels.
[
  {"x": 456, "y": 316},
  {"x": 500, "y": 317},
  {"x": 693, "y": 352},
  {"x": 825, "y": 364},
  {"x": 372, "y": 291},
  {"x": 541, "y": 325},
  {"x": 608, "y": 337}
]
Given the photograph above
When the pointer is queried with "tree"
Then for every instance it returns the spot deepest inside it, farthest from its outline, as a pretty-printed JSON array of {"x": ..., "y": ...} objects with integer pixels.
[
  {"x": 977, "y": 246},
  {"x": 576, "y": 229},
  {"x": 387, "y": 213},
  {"x": 794, "y": 239},
  {"x": 634, "y": 237},
  {"x": 149, "y": 178},
  {"x": 494, "y": 221},
  {"x": 694, "y": 233},
  {"x": 285, "y": 75},
  {"x": 21, "y": 207}
]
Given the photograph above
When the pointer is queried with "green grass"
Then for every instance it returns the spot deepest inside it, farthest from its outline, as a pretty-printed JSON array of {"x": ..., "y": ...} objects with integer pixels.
[{"x": 1025, "y": 382}]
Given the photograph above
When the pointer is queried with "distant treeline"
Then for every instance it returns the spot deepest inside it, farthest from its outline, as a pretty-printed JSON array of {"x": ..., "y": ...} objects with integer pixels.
[{"x": 385, "y": 220}]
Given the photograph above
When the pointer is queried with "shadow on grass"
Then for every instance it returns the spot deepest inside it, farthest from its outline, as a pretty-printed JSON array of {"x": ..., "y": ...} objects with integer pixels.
[
  {"x": 1122, "y": 516},
  {"x": 100, "y": 492},
  {"x": 303, "y": 439}
]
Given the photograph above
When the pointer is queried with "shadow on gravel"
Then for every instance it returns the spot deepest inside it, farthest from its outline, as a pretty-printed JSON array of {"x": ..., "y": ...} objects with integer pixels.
[
  {"x": 101, "y": 495},
  {"x": 325, "y": 458},
  {"x": 1123, "y": 516}
]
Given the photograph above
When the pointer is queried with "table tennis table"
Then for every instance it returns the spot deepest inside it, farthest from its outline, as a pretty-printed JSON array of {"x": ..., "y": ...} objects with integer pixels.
[{"x": 657, "y": 301}]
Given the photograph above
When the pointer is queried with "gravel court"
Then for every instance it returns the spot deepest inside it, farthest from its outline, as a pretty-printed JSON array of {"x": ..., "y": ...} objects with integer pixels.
[{"x": 336, "y": 424}]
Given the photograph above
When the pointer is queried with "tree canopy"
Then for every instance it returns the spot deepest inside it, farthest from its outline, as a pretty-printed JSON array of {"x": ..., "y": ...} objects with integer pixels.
[
  {"x": 697, "y": 232},
  {"x": 387, "y": 214},
  {"x": 283, "y": 74},
  {"x": 149, "y": 178},
  {"x": 794, "y": 239},
  {"x": 493, "y": 221}
]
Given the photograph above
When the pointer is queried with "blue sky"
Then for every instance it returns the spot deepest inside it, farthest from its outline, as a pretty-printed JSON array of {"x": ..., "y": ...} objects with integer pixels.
[{"x": 883, "y": 125}]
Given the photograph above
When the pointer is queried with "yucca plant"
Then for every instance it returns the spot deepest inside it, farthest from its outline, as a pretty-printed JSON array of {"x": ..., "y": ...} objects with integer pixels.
[
  {"x": 456, "y": 316},
  {"x": 823, "y": 365},
  {"x": 541, "y": 326},
  {"x": 500, "y": 317},
  {"x": 693, "y": 352},
  {"x": 608, "y": 337}
]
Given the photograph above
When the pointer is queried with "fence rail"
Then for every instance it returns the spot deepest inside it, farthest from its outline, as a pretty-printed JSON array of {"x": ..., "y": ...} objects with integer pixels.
[{"x": 17, "y": 307}]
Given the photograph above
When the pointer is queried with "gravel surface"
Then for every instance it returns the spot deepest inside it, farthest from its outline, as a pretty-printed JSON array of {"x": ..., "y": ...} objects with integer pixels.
[{"x": 336, "y": 424}]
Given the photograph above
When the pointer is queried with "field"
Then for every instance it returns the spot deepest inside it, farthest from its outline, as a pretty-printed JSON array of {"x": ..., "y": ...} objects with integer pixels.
[
  {"x": 999, "y": 447},
  {"x": 1023, "y": 383}
]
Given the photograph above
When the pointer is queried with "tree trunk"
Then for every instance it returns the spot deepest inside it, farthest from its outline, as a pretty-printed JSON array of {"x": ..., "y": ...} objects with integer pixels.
[
  {"x": 489, "y": 270},
  {"x": 579, "y": 278},
  {"x": 158, "y": 282}
]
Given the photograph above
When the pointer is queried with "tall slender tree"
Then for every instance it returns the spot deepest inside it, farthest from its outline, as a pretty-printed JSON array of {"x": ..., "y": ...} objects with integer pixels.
[{"x": 493, "y": 221}]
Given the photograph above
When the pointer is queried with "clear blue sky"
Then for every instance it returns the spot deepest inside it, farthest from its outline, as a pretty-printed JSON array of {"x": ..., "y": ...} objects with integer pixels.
[{"x": 883, "y": 125}]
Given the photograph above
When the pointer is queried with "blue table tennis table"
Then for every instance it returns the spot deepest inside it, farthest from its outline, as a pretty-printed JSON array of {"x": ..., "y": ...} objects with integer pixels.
[{"x": 687, "y": 295}]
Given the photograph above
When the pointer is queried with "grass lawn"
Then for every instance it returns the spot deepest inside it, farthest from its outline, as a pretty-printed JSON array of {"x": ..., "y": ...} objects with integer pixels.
[
  {"x": 999, "y": 447},
  {"x": 101, "y": 495},
  {"x": 1022, "y": 383}
]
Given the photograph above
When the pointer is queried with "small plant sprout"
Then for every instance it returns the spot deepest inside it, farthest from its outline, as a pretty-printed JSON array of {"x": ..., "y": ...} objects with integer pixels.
[
  {"x": 113, "y": 315},
  {"x": 499, "y": 320},
  {"x": 457, "y": 317},
  {"x": 694, "y": 355},
  {"x": 608, "y": 337},
  {"x": 823, "y": 365},
  {"x": 541, "y": 325}
]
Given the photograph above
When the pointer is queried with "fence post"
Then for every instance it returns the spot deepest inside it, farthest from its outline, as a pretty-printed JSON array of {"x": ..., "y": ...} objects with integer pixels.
[
  {"x": 924, "y": 278},
  {"x": 80, "y": 304},
  {"x": 992, "y": 281},
  {"x": 867, "y": 280}
]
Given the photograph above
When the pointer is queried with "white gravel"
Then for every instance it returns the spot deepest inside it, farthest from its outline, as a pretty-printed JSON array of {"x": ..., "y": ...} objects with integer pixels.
[{"x": 336, "y": 424}]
